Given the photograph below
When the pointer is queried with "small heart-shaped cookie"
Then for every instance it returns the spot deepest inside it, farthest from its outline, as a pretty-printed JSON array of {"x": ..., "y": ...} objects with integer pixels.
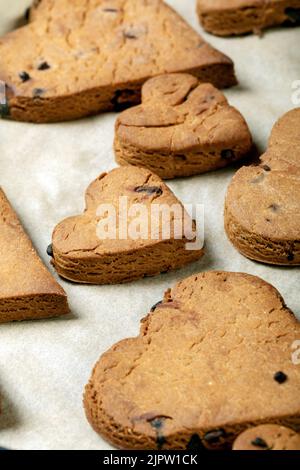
[
  {"x": 77, "y": 58},
  {"x": 246, "y": 16},
  {"x": 268, "y": 437},
  {"x": 133, "y": 226},
  {"x": 262, "y": 208},
  {"x": 182, "y": 128},
  {"x": 209, "y": 362}
]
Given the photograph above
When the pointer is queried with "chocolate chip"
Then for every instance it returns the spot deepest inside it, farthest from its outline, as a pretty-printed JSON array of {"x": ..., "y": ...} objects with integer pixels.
[
  {"x": 129, "y": 35},
  {"x": 195, "y": 443},
  {"x": 293, "y": 14},
  {"x": 24, "y": 76},
  {"x": 110, "y": 10},
  {"x": 38, "y": 92},
  {"x": 156, "y": 305},
  {"x": 213, "y": 437},
  {"x": 259, "y": 442},
  {"x": 227, "y": 154},
  {"x": 157, "y": 423},
  {"x": 124, "y": 98},
  {"x": 149, "y": 190},
  {"x": 290, "y": 257},
  {"x": 280, "y": 377},
  {"x": 43, "y": 66},
  {"x": 266, "y": 167},
  {"x": 50, "y": 250}
]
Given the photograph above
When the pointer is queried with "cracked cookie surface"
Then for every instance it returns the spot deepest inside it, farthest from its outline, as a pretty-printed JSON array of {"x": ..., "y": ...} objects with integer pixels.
[
  {"x": 262, "y": 207},
  {"x": 27, "y": 290},
  {"x": 201, "y": 370},
  {"x": 82, "y": 255},
  {"x": 231, "y": 17},
  {"x": 80, "y": 57},
  {"x": 268, "y": 437},
  {"x": 182, "y": 128}
]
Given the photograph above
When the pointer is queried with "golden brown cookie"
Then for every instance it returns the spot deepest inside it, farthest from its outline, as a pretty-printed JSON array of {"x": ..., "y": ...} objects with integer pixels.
[
  {"x": 78, "y": 57},
  {"x": 262, "y": 208},
  {"x": 230, "y": 17},
  {"x": 83, "y": 255},
  {"x": 211, "y": 360},
  {"x": 268, "y": 437},
  {"x": 182, "y": 128},
  {"x": 27, "y": 290}
]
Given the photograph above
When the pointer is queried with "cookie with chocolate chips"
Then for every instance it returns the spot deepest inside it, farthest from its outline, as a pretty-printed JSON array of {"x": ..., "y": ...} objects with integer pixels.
[
  {"x": 182, "y": 128},
  {"x": 201, "y": 370},
  {"x": 231, "y": 17},
  {"x": 262, "y": 208},
  {"x": 268, "y": 437},
  {"x": 133, "y": 226},
  {"x": 90, "y": 57}
]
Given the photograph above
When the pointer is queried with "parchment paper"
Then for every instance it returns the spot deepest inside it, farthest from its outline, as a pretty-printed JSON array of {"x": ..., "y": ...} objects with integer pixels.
[{"x": 45, "y": 170}]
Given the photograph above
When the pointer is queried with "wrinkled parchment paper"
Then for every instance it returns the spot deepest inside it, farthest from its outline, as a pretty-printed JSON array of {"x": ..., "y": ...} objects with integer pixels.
[{"x": 45, "y": 170}]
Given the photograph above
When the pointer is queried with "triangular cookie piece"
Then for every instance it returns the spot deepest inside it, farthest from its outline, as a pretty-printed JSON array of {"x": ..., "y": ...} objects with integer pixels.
[
  {"x": 230, "y": 17},
  {"x": 133, "y": 227},
  {"x": 27, "y": 290},
  {"x": 77, "y": 58},
  {"x": 182, "y": 128},
  {"x": 213, "y": 359},
  {"x": 262, "y": 207}
]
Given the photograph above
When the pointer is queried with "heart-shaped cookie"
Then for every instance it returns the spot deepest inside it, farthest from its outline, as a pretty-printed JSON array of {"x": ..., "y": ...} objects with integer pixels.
[
  {"x": 262, "y": 208},
  {"x": 27, "y": 290},
  {"x": 211, "y": 360},
  {"x": 182, "y": 128},
  {"x": 133, "y": 226},
  {"x": 77, "y": 58},
  {"x": 246, "y": 16}
]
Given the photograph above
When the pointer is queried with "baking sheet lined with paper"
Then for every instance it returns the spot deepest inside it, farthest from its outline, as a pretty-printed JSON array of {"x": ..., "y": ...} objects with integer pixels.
[{"x": 45, "y": 170}]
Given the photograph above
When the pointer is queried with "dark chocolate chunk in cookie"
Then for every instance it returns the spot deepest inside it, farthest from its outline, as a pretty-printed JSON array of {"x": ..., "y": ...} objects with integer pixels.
[
  {"x": 149, "y": 190},
  {"x": 24, "y": 76},
  {"x": 50, "y": 250},
  {"x": 43, "y": 66},
  {"x": 227, "y": 154},
  {"x": 280, "y": 377},
  {"x": 213, "y": 437},
  {"x": 259, "y": 442}
]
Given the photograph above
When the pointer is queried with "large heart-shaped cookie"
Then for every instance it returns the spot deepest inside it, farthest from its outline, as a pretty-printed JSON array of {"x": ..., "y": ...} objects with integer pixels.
[
  {"x": 90, "y": 249},
  {"x": 27, "y": 290},
  {"x": 182, "y": 128},
  {"x": 246, "y": 16},
  {"x": 78, "y": 58},
  {"x": 262, "y": 208},
  {"x": 212, "y": 359}
]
